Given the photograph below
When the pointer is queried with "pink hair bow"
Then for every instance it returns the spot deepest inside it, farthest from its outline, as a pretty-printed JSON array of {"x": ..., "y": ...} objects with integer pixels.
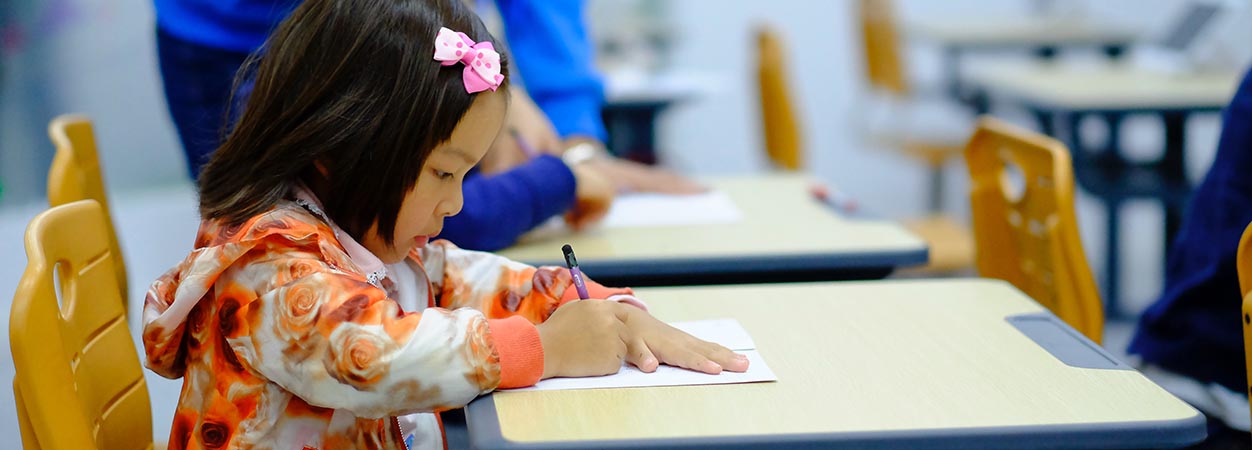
[{"x": 482, "y": 62}]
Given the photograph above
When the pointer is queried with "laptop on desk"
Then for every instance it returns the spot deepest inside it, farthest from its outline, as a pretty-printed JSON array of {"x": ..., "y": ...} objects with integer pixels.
[{"x": 1185, "y": 44}]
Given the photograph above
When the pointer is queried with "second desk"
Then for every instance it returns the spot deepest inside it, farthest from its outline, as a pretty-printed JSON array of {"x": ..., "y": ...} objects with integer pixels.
[{"x": 784, "y": 235}]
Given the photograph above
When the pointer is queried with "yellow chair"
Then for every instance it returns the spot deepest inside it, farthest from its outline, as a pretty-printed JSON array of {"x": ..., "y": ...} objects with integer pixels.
[
  {"x": 951, "y": 246},
  {"x": 781, "y": 129},
  {"x": 1243, "y": 260},
  {"x": 79, "y": 382},
  {"x": 1028, "y": 234},
  {"x": 75, "y": 175},
  {"x": 885, "y": 74}
]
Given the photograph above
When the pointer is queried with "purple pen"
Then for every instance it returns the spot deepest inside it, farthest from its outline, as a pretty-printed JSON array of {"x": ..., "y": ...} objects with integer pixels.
[{"x": 572, "y": 262}]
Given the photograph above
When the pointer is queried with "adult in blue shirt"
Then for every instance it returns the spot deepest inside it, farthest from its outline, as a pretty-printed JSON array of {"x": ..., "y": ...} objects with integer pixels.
[
  {"x": 202, "y": 44},
  {"x": 1190, "y": 340}
]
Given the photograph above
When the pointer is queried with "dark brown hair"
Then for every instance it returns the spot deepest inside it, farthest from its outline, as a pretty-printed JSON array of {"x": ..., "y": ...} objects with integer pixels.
[{"x": 353, "y": 86}]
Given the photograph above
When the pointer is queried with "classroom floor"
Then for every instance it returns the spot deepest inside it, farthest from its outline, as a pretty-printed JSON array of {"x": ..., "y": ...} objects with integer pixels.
[{"x": 157, "y": 227}]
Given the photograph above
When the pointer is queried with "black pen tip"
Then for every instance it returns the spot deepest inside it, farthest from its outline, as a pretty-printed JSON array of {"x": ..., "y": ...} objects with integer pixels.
[{"x": 569, "y": 255}]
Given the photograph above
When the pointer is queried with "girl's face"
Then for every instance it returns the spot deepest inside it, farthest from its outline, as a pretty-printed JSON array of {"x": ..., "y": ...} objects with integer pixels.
[{"x": 437, "y": 193}]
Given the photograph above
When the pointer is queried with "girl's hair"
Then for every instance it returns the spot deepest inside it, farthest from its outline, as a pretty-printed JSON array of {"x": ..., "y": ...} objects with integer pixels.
[{"x": 352, "y": 86}]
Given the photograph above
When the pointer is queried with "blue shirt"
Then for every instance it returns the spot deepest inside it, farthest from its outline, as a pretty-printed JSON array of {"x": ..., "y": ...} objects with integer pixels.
[
  {"x": 552, "y": 50},
  {"x": 1194, "y": 328},
  {"x": 554, "y": 54},
  {"x": 236, "y": 25},
  {"x": 549, "y": 44}
]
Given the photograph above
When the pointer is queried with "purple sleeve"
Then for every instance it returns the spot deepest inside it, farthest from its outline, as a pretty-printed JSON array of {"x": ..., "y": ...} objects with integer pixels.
[{"x": 500, "y": 208}]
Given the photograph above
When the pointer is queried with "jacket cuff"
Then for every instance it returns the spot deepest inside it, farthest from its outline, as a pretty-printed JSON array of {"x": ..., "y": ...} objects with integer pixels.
[
  {"x": 597, "y": 290},
  {"x": 521, "y": 352}
]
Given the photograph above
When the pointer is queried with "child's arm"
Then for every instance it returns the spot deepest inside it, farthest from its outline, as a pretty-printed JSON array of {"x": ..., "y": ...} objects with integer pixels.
[
  {"x": 336, "y": 341},
  {"x": 500, "y": 287}
]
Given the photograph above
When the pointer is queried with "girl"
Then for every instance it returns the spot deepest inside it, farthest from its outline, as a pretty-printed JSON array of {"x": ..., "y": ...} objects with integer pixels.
[{"x": 313, "y": 313}]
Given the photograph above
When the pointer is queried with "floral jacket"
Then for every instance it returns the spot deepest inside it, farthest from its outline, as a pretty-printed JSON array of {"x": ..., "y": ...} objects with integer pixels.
[{"x": 283, "y": 341}]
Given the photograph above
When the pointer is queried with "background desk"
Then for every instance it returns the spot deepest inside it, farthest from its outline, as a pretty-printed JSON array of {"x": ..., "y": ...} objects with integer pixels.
[
  {"x": 901, "y": 364},
  {"x": 1060, "y": 96},
  {"x": 785, "y": 235},
  {"x": 1044, "y": 37}
]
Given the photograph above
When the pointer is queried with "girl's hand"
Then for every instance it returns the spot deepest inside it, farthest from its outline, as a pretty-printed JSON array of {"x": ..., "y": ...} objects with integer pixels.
[
  {"x": 594, "y": 195},
  {"x": 652, "y": 342},
  {"x": 583, "y": 338}
]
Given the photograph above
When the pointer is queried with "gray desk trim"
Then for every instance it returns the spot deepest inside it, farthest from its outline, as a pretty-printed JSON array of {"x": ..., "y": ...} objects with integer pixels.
[
  {"x": 484, "y": 434},
  {"x": 746, "y": 269}
]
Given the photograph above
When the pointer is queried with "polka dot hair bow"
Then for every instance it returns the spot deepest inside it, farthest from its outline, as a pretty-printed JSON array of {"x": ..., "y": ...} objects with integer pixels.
[{"x": 482, "y": 62}]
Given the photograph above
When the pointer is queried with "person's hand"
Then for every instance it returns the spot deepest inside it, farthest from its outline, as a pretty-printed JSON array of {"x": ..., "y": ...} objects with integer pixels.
[
  {"x": 584, "y": 338},
  {"x": 593, "y": 197},
  {"x": 631, "y": 176},
  {"x": 526, "y": 121},
  {"x": 651, "y": 342}
]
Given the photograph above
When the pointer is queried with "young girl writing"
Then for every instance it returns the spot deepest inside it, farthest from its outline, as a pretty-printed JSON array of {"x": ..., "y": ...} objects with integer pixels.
[{"x": 313, "y": 313}]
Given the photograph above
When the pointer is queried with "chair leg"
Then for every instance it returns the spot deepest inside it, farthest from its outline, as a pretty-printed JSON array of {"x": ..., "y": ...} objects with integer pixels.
[{"x": 936, "y": 189}]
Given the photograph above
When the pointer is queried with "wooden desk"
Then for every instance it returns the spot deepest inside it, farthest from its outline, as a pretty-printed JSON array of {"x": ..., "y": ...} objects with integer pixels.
[
  {"x": 785, "y": 235},
  {"x": 1060, "y": 96},
  {"x": 1044, "y": 37},
  {"x": 900, "y": 364},
  {"x": 1019, "y": 33}
]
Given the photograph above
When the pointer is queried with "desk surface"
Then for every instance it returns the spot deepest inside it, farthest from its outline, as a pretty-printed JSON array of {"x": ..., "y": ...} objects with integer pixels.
[
  {"x": 1020, "y": 32},
  {"x": 784, "y": 232},
  {"x": 925, "y": 364},
  {"x": 1119, "y": 87}
]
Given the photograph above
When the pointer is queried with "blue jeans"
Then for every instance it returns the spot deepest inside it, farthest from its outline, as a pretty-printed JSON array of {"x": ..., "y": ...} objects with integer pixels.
[{"x": 198, "y": 82}]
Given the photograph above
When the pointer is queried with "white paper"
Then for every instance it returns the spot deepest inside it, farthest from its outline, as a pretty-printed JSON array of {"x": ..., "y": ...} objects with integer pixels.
[
  {"x": 651, "y": 210},
  {"x": 726, "y": 332}
]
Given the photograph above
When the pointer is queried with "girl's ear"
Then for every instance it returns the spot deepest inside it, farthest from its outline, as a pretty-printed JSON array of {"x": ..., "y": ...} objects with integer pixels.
[{"x": 321, "y": 169}]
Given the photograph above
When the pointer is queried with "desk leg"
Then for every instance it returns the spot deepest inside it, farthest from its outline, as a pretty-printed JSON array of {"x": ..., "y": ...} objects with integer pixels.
[
  {"x": 632, "y": 131},
  {"x": 1173, "y": 167},
  {"x": 1112, "y": 277}
]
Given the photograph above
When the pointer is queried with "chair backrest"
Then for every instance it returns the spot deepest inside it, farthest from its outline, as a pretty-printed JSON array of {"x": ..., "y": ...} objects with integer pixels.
[
  {"x": 884, "y": 69},
  {"x": 75, "y": 175},
  {"x": 1025, "y": 230},
  {"x": 79, "y": 382},
  {"x": 1243, "y": 260},
  {"x": 778, "y": 118}
]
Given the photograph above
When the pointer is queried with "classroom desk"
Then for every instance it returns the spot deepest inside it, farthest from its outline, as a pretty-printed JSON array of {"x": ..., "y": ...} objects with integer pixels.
[
  {"x": 634, "y": 102},
  {"x": 785, "y": 235},
  {"x": 1044, "y": 37},
  {"x": 1061, "y": 96},
  {"x": 924, "y": 364}
]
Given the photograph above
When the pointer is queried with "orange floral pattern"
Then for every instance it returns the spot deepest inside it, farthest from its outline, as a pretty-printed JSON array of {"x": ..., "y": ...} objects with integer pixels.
[{"x": 282, "y": 342}]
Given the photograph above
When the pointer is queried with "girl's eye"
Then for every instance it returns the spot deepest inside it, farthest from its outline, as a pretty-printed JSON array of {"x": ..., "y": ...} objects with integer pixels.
[{"x": 443, "y": 175}]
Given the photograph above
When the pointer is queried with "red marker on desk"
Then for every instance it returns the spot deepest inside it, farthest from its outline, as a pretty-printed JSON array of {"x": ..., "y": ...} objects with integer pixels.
[{"x": 838, "y": 200}]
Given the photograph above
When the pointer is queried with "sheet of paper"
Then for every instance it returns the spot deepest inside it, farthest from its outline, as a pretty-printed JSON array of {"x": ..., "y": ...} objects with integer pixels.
[
  {"x": 652, "y": 210},
  {"x": 727, "y": 332}
]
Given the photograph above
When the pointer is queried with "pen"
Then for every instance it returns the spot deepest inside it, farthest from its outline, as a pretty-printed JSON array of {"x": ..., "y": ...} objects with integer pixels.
[
  {"x": 521, "y": 143},
  {"x": 835, "y": 199},
  {"x": 572, "y": 262}
]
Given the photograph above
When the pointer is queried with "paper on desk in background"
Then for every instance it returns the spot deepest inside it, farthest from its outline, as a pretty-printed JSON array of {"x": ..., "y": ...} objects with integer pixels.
[
  {"x": 651, "y": 209},
  {"x": 726, "y": 332}
]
